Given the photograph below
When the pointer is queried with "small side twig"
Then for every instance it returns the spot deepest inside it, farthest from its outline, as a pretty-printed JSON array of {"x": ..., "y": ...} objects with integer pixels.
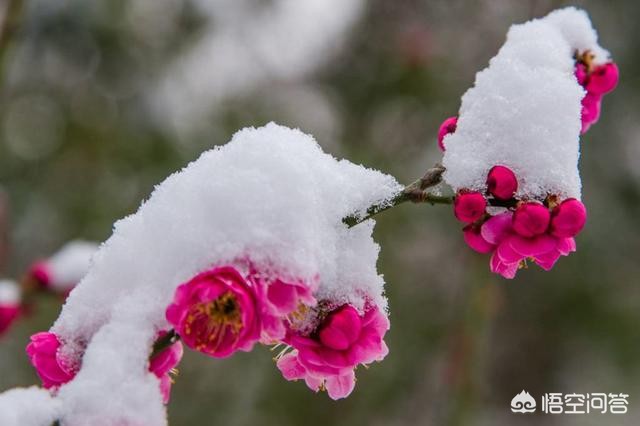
[{"x": 416, "y": 192}]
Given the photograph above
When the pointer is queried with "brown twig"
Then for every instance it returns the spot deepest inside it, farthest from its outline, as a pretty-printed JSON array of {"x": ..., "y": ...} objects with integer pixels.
[{"x": 416, "y": 192}]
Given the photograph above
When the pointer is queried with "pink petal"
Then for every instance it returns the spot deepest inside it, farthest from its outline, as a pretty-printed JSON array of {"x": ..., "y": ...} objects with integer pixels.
[
  {"x": 566, "y": 246},
  {"x": 290, "y": 368},
  {"x": 474, "y": 239},
  {"x": 506, "y": 270},
  {"x": 507, "y": 254},
  {"x": 530, "y": 247},
  {"x": 340, "y": 386},
  {"x": 547, "y": 260},
  {"x": 496, "y": 228}
]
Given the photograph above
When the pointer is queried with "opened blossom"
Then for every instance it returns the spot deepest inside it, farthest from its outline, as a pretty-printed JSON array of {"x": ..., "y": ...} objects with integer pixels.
[
  {"x": 216, "y": 312},
  {"x": 326, "y": 358},
  {"x": 279, "y": 299},
  {"x": 162, "y": 364},
  {"x": 511, "y": 250},
  {"x": 53, "y": 368}
]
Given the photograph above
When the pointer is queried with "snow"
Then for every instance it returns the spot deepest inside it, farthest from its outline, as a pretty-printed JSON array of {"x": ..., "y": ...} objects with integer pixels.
[
  {"x": 524, "y": 110},
  {"x": 270, "y": 195},
  {"x": 28, "y": 407},
  {"x": 69, "y": 264},
  {"x": 9, "y": 293}
]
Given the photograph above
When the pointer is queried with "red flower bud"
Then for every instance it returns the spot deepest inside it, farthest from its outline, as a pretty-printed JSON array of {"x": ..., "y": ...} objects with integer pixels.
[
  {"x": 469, "y": 206},
  {"x": 502, "y": 182},
  {"x": 568, "y": 219},
  {"x": 531, "y": 219},
  {"x": 603, "y": 79}
]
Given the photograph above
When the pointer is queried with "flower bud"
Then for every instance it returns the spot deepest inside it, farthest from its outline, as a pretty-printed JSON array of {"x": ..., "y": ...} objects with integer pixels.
[
  {"x": 448, "y": 126},
  {"x": 603, "y": 79},
  {"x": 531, "y": 219},
  {"x": 568, "y": 219},
  {"x": 469, "y": 206},
  {"x": 502, "y": 182}
]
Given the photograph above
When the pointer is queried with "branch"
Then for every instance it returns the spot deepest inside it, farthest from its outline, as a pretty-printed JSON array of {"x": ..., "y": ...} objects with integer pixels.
[{"x": 416, "y": 192}]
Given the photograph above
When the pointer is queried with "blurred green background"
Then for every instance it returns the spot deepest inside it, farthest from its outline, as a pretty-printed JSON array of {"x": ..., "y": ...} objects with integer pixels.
[{"x": 93, "y": 113}]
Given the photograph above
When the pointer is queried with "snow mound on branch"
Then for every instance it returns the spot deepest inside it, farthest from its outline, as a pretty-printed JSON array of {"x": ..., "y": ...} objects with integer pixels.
[
  {"x": 270, "y": 195},
  {"x": 28, "y": 407},
  {"x": 69, "y": 264},
  {"x": 524, "y": 109}
]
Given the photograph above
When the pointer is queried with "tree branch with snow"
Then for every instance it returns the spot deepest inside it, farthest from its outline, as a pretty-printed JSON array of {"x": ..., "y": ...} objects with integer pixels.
[{"x": 199, "y": 266}]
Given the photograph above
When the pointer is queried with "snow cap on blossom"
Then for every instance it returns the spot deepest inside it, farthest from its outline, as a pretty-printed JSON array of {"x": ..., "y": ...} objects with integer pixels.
[
  {"x": 66, "y": 267},
  {"x": 206, "y": 216},
  {"x": 524, "y": 110},
  {"x": 10, "y": 300}
]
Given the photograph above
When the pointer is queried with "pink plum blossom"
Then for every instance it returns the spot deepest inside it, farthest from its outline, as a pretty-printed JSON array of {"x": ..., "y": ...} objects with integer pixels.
[
  {"x": 502, "y": 182},
  {"x": 531, "y": 219},
  {"x": 216, "y": 312},
  {"x": 161, "y": 365},
  {"x": 278, "y": 299},
  {"x": 512, "y": 250},
  {"x": 448, "y": 126},
  {"x": 568, "y": 218},
  {"x": 469, "y": 206},
  {"x": 53, "y": 368},
  {"x": 326, "y": 358}
]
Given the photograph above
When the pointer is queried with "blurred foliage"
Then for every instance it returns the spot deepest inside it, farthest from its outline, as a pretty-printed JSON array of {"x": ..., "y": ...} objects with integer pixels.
[{"x": 80, "y": 148}]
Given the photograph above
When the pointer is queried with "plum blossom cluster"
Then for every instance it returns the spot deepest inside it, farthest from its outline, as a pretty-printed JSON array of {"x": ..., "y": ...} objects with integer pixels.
[
  {"x": 597, "y": 81},
  {"x": 512, "y": 152},
  {"x": 214, "y": 274},
  {"x": 520, "y": 230},
  {"x": 223, "y": 310}
]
